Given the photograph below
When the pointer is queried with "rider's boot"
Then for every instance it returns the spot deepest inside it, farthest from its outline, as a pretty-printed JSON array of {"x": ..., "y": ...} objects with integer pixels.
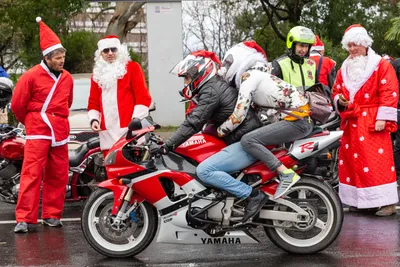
[
  {"x": 287, "y": 179},
  {"x": 256, "y": 201}
]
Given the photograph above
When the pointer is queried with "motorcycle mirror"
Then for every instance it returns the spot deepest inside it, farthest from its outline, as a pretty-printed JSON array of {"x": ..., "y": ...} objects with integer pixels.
[
  {"x": 152, "y": 107},
  {"x": 134, "y": 125}
]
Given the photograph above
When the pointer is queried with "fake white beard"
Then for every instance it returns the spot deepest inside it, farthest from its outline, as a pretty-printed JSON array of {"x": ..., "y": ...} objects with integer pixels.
[
  {"x": 356, "y": 68},
  {"x": 107, "y": 74}
]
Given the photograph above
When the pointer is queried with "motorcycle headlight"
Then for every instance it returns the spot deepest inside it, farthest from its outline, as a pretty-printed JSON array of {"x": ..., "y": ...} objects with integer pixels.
[{"x": 110, "y": 159}]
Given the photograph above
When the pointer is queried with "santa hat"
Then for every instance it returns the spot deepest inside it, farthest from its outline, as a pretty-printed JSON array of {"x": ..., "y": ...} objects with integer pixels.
[
  {"x": 252, "y": 44},
  {"x": 208, "y": 54},
  {"x": 356, "y": 34},
  {"x": 49, "y": 41},
  {"x": 318, "y": 45},
  {"x": 108, "y": 42}
]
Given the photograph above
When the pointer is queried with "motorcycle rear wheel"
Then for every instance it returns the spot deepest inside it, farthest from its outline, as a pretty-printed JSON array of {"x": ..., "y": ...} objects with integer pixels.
[
  {"x": 326, "y": 218},
  {"x": 117, "y": 243}
]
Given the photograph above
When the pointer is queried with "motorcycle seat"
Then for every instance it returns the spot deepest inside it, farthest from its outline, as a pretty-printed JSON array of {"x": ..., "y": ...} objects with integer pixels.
[
  {"x": 93, "y": 142},
  {"x": 317, "y": 131},
  {"x": 76, "y": 156}
]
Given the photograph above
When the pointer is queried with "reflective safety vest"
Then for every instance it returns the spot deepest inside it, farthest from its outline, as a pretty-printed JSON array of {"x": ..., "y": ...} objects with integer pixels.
[{"x": 296, "y": 74}]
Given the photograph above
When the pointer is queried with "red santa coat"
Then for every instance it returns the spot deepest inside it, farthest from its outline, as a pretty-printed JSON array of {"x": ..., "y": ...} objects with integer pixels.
[
  {"x": 327, "y": 66},
  {"x": 366, "y": 167},
  {"x": 41, "y": 102},
  {"x": 115, "y": 108}
]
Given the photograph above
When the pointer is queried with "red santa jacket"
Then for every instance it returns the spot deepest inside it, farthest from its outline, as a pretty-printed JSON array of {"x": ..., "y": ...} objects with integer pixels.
[
  {"x": 327, "y": 69},
  {"x": 41, "y": 101},
  {"x": 115, "y": 110}
]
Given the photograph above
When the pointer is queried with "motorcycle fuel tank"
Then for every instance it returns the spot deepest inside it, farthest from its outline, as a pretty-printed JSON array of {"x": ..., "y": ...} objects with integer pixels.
[
  {"x": 200, "y": 146},
  {"x": 13, "y": 148}
]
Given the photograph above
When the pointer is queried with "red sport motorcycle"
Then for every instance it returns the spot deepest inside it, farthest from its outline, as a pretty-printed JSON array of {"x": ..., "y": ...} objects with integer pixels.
[
  {"x": 86, "y": 166},
  {"x": 145, "y": 189}
]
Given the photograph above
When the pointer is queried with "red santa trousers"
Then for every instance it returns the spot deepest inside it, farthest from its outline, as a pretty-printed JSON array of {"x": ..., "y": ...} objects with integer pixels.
[{"x": 45, "y": 163}]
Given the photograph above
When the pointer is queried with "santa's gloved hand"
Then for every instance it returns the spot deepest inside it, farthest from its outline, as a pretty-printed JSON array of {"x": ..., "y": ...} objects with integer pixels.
[{"x": 160, "y": 149}]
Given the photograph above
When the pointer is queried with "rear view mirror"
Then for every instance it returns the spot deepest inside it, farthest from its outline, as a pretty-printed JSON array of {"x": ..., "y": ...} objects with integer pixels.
[
  {"x": 134, "y": 125},
  {"x": 152, "y": 106}
]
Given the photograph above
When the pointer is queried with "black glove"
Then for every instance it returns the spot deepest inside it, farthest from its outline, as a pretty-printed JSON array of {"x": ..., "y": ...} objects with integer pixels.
[{"x": 161, "y": 149}]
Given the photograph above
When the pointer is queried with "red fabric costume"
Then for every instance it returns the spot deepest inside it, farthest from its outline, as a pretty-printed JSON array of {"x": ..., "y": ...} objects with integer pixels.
[
  {"x": 366, "y": 168},
  {"x": 116, "y": 109},
  {"x": 41, "y": 101}
]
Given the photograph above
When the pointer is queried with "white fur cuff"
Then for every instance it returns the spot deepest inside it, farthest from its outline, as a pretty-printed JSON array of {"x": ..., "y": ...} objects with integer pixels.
[
  {"x": 387, "y": 114},
  {"x": 93, "y": 115},
  {"x": 140, "y": 112}
]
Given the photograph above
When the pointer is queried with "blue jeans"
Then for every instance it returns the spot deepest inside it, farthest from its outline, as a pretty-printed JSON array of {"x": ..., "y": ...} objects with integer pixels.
[{"x": 214, "y": 170}]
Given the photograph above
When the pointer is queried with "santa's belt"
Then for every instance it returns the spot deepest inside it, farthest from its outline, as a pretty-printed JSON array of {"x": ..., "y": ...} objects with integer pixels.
[{"x": 354, "y": 114}]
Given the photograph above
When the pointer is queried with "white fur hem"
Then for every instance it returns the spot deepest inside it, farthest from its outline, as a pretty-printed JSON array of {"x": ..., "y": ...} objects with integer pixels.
[
  {"x": 109, "y": 137},
  {"x": 369, "y": 197},
  {"x": 140, "y": 111},
  {"x": 93, "y": 115},
  {"x": 387, "y": 114}
]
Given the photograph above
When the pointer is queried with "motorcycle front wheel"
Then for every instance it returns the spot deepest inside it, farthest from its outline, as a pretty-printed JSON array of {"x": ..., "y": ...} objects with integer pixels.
[
  {"x": 125, "y": 239},
  {"x": 325, "y": 211}
]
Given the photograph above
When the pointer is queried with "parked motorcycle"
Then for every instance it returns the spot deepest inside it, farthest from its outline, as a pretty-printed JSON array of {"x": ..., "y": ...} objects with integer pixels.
[
  {"x": 120, "y": 219},
  {"x": 86, "y": 167}
]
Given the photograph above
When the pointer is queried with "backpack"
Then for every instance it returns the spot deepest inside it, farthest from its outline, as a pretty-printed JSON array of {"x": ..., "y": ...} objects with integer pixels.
[{"x": 320, "y": 104}]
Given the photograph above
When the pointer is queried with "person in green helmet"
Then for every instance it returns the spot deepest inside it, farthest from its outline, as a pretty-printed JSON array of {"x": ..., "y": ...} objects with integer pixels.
[{"x": 295, "y": 67}]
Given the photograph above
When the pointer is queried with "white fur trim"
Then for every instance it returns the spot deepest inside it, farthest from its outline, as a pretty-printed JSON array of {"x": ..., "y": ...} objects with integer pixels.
[
  {"x": 140, "y": 111},
  {"x": 335, "y": 103},
  {"x": 317, "y": 48},
  {"x": 110, "y": 107},
  {"x": 369, "y": 197},
  {"x": 93, "y": 115},
  {"x": 372, "y": 63},
  {"x": 387, "y": 114},
  {"x": 52, "y": 48},
  {"x": 247, "y": 64},
  {"x": 38, "y": 19},
  {"x": 357, "y": 35},
  {"x": 109, "y": 137},
  {"x": 108, "y": 43}
]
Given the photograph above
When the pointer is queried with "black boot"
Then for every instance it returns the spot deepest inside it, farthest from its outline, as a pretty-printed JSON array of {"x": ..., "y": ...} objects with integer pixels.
[{"x": 256, "y": 201}]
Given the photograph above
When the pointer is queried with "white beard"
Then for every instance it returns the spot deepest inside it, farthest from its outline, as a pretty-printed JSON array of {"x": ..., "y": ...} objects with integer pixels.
[
  {"x": 107, "y": 74},
  {"x": 356, "y": 68}
]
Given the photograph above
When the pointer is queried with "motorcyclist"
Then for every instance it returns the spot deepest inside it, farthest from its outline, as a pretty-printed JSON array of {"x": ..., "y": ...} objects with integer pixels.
[
  {"x": 215, "y": 102},
  {"x": 295, "y": 67},
  {"x": 246, "y": 66}
]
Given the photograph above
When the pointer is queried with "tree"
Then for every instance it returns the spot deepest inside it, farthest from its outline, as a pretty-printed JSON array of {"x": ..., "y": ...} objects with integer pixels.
[
  {"x": 19, "y": 37},
  {"x": 126, "y": 16},
  {"x": 393, "y": 34},
  {"x": 210, "y": 25}
]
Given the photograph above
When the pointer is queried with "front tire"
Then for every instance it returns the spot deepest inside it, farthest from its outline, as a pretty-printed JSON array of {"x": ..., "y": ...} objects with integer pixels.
[
  {"x": 326, "y": 218},
  {"x": 129, "y": 239}
]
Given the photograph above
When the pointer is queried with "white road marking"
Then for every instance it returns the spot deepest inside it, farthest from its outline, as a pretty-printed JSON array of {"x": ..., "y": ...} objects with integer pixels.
[{"x": 40, "y": 221}]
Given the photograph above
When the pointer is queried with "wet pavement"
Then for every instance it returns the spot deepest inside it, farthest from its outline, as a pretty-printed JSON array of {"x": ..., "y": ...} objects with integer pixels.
[{"x": 365, "y": 240}]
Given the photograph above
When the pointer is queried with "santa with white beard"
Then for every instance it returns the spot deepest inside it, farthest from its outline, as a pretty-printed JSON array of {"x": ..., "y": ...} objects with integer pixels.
[
  {"x": 118, "y": 91},
  {"x": 366, "y": 96}
]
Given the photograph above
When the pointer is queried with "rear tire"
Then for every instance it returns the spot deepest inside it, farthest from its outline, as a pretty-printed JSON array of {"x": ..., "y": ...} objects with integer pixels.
[
  {"x": 113, "y": 242},
  {"x": 327, "y": 224}
]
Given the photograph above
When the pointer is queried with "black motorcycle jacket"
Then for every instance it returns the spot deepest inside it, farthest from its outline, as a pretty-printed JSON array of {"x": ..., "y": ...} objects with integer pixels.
[{"x": 216, "y": 102}]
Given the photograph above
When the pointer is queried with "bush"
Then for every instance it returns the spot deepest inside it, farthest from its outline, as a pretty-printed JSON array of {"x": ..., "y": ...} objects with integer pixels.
[{"x": 80, "y": 51}]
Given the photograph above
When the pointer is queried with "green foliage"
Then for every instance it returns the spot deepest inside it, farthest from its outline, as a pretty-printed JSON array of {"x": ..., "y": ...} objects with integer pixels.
[
  {"x": 328, "y": 19},
  {"x": 80, "y": 51},
  {"x": 19, "y": 36}
]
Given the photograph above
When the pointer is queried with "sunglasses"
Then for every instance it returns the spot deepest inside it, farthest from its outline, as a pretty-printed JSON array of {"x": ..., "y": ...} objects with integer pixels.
[{"x": 112, "y": 49}]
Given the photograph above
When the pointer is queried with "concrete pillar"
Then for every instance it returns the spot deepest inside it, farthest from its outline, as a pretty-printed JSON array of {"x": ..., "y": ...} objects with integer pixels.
[{"x": 165, "y": 49}]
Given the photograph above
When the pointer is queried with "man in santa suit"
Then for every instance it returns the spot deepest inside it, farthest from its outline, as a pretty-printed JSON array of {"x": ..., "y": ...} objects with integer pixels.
[
  {"x": 325, "y": 66},
  {"x": 118, "y": 92},
  {"x": 366, "y": 95},
  {"x": 41, "y": 101}
]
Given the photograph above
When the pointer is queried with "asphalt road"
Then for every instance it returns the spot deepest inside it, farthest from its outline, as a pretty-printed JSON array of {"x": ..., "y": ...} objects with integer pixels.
[{"x": 365, "y": 240}]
